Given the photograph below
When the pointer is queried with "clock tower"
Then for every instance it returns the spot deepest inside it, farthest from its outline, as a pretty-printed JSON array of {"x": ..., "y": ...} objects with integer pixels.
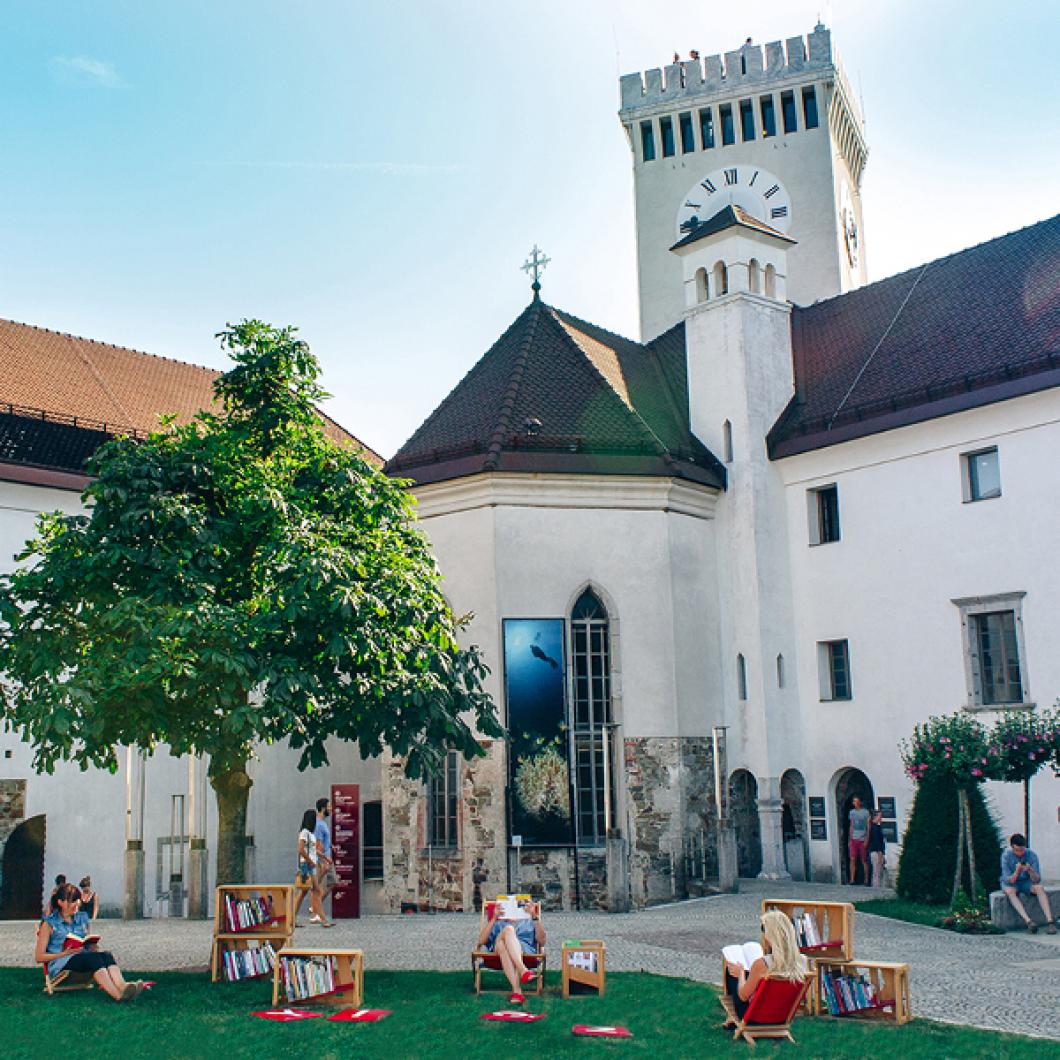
[{"x": 773, "y": 131}]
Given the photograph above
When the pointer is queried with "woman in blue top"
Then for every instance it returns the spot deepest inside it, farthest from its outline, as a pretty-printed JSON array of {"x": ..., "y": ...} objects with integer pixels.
[
  {"x": 65, "y": 919},
  {"x": 511, "y": 940}
]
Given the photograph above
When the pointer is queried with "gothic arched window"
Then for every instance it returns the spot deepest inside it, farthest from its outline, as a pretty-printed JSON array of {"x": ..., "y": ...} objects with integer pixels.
[
  {"x": 771, "y": 282},
  {"x": 591, "y": 716},
  {"x": 702, "y": 285},
  {"x": 754, "y": 276}
]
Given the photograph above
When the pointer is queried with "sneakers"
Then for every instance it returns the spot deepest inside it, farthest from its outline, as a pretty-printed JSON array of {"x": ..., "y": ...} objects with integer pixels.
[{"x": 314, "y": 919}]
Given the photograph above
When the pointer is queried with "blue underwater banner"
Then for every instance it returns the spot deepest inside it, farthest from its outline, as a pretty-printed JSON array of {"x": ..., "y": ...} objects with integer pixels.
[{"x": 535, "y": 690}]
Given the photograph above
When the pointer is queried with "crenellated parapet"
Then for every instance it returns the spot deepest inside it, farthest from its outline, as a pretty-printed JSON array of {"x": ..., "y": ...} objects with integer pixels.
[{"x": 745, "y": 68}]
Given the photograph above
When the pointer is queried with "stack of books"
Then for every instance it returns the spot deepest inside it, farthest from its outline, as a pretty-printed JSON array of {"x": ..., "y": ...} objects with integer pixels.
[
  {"x": 848, "y": 993},
  {"x": 809, "y": 936},
  {"x": 243, "y": 914},
  {"x": 255, "y": 960},
  {"x": 306, "y": 977}
]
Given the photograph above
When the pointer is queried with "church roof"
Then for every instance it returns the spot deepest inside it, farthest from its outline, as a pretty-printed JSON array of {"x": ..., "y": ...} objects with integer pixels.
[
  {"x": 61, "y": 396},
  {"x": 557, "y": 394},
  {"x": 729, "y": 217},
  {"x": 976, "y": 327}
]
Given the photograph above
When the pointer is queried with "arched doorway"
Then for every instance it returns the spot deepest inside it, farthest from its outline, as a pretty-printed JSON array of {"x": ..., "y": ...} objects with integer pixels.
[
  {"x": 793, "y": 797},
  {"x": 743, "y": 800},
  {"x": 22, "y": 887},
  {"x": 849, "y": 783}
]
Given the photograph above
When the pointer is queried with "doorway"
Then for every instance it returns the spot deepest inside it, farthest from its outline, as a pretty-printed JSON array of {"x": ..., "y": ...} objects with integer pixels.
[
  {"x": 850, "y": 783},
  {"x": 743, "y": 800},
  {"x": 22, "y": 887}
]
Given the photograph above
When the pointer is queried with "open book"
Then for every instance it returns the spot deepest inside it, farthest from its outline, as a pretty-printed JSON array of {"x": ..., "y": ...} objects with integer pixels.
[
  {"x": 744, "y": 955},
  {"x": 512, "y": 906},
  {"x": 78, "y": 942}
]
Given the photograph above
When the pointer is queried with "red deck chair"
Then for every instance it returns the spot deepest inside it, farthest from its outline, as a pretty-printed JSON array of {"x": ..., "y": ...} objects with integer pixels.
[
  {"x": 773, "y": 1006},
  {"x": 486, "y": 959}
]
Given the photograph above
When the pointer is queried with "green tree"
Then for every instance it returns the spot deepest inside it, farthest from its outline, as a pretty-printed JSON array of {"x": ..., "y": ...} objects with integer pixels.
[{"x": 239, "y": 579}]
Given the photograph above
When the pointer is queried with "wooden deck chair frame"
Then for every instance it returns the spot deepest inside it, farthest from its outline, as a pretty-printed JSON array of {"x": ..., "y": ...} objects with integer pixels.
[
  {"x": 487, "y": 960},
  {"x": 750, "y": 1031},
  {"x": 65, "y": 980}
]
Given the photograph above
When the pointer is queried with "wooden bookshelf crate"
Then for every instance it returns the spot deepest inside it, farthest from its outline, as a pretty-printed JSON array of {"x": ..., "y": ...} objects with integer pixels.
[
  {"x": 348, "y": 974},
  {"x": 890, "y": 983},
  {"x": 835, "y": 925},
  {"x": 277, "y": 932},
  {"x": 573, "y": 974}
]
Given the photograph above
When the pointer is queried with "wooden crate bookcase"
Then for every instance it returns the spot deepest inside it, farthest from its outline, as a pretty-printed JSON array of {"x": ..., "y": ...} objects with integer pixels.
[
  {"x": 890, "y": 983},
  {"x": 583, "y": 977},
  {"x": 835, "y": 925},
  {"x": 349, "y": 978},
  {"x": 278, "y": 933}
]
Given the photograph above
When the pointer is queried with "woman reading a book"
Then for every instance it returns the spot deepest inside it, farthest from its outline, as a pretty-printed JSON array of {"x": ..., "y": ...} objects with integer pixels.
[
  {"x": 778, "y": 957},
  {"x": 64, "y": 943},
  {"x": 510, "y": 934}
]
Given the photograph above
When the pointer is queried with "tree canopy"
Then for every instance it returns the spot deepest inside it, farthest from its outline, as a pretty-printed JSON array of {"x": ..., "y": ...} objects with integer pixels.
[{"x": 240, "y": 578}]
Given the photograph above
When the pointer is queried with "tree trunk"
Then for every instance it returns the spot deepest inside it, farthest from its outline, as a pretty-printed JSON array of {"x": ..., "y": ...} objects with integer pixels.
[
  {"x": 1027, "y": 809},
  {"x": 960, "y": 851},
  {"x": 973, "y": 881},
  {"x": 232, "y": 788}
]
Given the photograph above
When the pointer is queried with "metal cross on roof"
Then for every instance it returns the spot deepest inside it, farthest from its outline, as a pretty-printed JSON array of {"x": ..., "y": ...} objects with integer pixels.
[{"x": 535, "y": 265}]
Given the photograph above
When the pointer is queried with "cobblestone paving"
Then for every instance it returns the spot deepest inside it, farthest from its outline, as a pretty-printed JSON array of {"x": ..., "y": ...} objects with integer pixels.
[{"x": 1009, "y": 982}]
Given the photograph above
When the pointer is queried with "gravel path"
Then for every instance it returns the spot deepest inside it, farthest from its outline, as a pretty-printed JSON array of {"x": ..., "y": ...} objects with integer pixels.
[{"x": 1007, "y": 982}]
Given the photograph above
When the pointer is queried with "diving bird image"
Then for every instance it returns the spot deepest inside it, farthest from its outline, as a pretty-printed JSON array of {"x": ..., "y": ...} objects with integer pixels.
[{"x": 538, "y": 653}]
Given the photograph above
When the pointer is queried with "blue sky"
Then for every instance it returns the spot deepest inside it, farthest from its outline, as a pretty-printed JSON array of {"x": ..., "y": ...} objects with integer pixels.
[{"x": 377, "y": 173}]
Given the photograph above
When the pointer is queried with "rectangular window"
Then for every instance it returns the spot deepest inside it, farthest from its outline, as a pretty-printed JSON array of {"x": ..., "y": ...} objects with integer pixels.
[
  {"x": 741, "y": 677},
  {"x": 688, "y": 135},
  {"x": 769, "y": 117},
  {"x": 647, "y": 141},
  {"x": 728, "y": 129},
  {"x": 787, "y": 106},
  {"x": 809, "y": 106},
  {"x": 833, "y": 661},
  {"x": 999, "y": 657},
  {"x": 747, "y": 120},
  {"x": 666, "y": 129},
  {"x": 372, "y": 840},
  {"x": 823, "y": 512},
  {"x": 443, "y": 791},
  {"x": 591, "y": 672},
  {"x": 981, "y": 475},
  {"x": 706, "y": 127}
]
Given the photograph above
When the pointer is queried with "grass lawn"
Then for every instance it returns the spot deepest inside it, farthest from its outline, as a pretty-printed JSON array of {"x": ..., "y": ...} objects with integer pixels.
[
  {"x": 435, "y": 1014},
  {"x": 900, "y": 909}
]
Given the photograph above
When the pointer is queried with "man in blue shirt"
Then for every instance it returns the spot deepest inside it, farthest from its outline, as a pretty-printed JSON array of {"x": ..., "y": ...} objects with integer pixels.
[
  {"x": 326, "y": 875},
  {"x": 1022, "y": 875}
]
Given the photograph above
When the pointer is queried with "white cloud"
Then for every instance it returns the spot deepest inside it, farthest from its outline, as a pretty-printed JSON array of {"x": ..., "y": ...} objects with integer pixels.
[{"x": 84, "y": 70}]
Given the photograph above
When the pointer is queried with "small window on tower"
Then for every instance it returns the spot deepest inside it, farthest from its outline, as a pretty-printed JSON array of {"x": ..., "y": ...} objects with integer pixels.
[
  {"x": 741, "y": 677},
  {"x": 726, "y": 433},
  {"x": 706, "y": 127},
  {"x": 702, "y": 285},
  {"x": 769, "y": 117},
  {"x": 823, "y": 512},
  {"x": 747, "y": 120},
  {"x": 688, "y": 136},
  {"x": 728, "y": 129},
  {"x": 666, "y": 129},
  {"x": 647, "y": 141},
  {"x": 787, "y": 106},
  {"x": 809, "y": 106}
]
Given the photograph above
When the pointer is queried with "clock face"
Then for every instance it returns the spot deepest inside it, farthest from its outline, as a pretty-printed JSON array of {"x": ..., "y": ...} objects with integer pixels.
[{"x": 751, "y": 188}]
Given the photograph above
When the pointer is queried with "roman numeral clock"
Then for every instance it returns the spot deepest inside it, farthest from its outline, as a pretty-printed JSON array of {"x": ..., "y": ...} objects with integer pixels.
[{"x": 753, "y": 189}]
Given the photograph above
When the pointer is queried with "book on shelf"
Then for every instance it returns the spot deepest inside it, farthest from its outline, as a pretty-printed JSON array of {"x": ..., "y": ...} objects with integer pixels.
[
  {"x": 848, "y": 993},
  {"x": 809, "y": 935},
  {"x": 79, "y": 942},
  {"x": 586, "y": 960},
  {"x": 744, "y": 955},
  {"x": 248, "y": 963},
  {"x": 306, "y": 977},
  {"x": 245, "y": 914}
]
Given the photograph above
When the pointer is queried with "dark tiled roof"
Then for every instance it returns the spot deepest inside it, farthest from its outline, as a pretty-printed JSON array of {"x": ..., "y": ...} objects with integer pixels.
[
  {"x": 978, "y": 326},
  {"x": 594, "y": 401},
  {"x": 82, "y": 385},
  {"x": 730, "y": 217}
]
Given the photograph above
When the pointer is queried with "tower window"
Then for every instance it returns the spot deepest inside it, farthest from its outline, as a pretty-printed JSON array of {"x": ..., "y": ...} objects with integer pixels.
[
  {"x": 688, "y": 137},
  {"x": 741, "y": 677},
  {"x": 647, "y": 141},
  {"x": 823, "y": 510},
  {"x": 721, "y": 279},
  {"x": 726, "y": 433},
  {"x": 702, "y": 285},
  {"x": 787, "y": 106},
  {"x": 982, "y": 475},
  {"x": 769, "y": 117},
  {"x": 666, "y": 128},
  {"x": 771, "y": 281},
  {"x": 754, "y": 276},
  {"x": 728, "y": 129},
  {"x": 833, "y": 661},
  {"x": 747, "y": 120},
  {"x": 706, "y": 127},
  {"x": 809, "y": 106}
]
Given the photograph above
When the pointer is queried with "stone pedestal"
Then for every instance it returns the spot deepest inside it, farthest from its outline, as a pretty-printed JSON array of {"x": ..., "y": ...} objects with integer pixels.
[
  {"x": 618, "y": 897},
  {"x": 727, "y": 861},
  {"x": 133, "y": 904},
  {"x": 771, "y": 820},
  {"x": 198, "y": 892}
]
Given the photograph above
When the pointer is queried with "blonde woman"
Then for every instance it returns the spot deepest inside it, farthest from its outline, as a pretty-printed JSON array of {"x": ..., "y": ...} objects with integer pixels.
[{"x": 780, "y": 959}]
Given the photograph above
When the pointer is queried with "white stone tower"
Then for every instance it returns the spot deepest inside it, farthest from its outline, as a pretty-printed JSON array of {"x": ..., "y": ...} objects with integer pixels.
[{"x": 775, "y": 132}]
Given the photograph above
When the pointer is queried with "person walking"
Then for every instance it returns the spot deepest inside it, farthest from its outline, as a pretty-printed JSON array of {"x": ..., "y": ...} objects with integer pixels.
[
  {"x": 877, "y": 849},
  {"x": 327, "y": 878},
  {"x": 308, "y": 861}
]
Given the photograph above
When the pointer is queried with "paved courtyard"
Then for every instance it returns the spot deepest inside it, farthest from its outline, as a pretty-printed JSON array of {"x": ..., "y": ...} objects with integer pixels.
[{"x": 1008, "y": 982}]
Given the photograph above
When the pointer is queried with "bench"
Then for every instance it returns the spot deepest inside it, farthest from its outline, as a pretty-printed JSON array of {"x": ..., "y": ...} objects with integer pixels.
[{"x": 1006, "y": 918}]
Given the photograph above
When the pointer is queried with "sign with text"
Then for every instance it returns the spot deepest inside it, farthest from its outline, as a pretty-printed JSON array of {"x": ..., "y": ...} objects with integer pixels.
[
  {"x": 885, "y": 804},
  {"x": 346, "y": 849},
  {"x": 817, "y": 806},
  {"x": 818, "y": 829}
]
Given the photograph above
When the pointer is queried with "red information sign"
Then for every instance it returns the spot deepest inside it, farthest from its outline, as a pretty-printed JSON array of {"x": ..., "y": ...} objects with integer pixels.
[{"x": 346, "y": 849}]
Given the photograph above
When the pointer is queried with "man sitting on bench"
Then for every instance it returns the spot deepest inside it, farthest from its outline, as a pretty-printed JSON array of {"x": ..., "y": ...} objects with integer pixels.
[{"x": 1022, "y": 875}]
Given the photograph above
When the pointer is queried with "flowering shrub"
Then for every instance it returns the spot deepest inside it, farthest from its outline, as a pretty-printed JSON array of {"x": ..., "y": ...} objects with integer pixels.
[
  {"x": 1020, "y": 743},
  {"x": 969, "y": 917},
  {"x": 953, "y": 746}
]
